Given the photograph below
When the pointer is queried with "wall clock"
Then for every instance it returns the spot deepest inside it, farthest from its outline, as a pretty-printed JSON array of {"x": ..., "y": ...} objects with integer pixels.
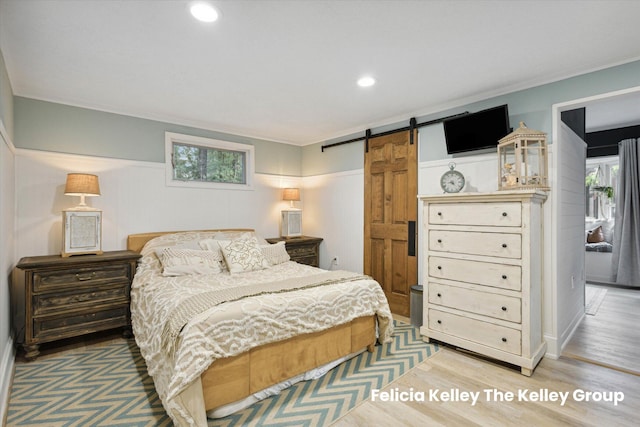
[{"x": 452, "y": 181}]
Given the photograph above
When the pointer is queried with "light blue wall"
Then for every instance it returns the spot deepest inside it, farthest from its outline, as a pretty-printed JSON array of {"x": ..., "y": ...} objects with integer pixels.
[
  {"x": 533, "y": 106},
  {"x": 49, "y": 126},
  {"x": 6, "y": 98}
]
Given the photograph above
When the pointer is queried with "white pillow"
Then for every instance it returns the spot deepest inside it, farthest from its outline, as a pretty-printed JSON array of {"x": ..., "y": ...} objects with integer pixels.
[
  {"x": 243, "y": 255},
  {"x": 213, "y": 246},
  {"x": 179, "y": 262},
  {"x": 275, "y": 254}
]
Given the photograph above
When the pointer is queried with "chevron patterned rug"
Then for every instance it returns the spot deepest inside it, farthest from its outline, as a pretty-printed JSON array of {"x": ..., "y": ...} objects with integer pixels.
[{"x": 108, "y": 385}]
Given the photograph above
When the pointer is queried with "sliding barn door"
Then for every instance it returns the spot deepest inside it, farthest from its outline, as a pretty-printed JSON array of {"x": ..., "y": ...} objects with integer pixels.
[{"x": 390, "y": 214}]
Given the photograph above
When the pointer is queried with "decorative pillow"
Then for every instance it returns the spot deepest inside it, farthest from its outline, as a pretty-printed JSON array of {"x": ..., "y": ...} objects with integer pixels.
[
  {"x": 243, "y": 255},
  {"x": 595, "y": 235},
  {"x": 184, "y": 245},
  {"x": 213, "y": 246},
  {"x": 275, "y": 254},
  {"x": 180, "y": 262}
]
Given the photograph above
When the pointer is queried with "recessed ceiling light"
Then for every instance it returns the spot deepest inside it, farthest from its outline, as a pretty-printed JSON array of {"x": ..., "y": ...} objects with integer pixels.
[
  {"x": 366, "y": 81},
  {"x": 204, "y": 12}
]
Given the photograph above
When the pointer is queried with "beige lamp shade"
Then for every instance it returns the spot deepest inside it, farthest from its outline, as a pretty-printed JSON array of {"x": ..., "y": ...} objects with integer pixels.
[
  {"x": 291, "y": 195},
  {"x": 82, "y": 184}
]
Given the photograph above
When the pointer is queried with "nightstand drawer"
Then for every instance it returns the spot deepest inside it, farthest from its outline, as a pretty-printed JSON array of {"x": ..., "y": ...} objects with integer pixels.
[
  {"x": 81, "y": 322},
  {"x": 485, "y": 333},
  {"x": 50, "y": 303},
  {"x": 303, "y": 251},
  {"x": 54, "y": 280},
  {"x": 481, "y": 273},
  {"x": 484, "y": 303}
]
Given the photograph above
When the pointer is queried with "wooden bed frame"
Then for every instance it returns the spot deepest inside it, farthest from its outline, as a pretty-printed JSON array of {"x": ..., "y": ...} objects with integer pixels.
[{"x": 234, "y": 378}]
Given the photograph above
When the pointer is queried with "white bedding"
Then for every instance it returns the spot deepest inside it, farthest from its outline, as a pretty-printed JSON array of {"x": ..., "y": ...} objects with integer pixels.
[{"x": 232, "y": 328}]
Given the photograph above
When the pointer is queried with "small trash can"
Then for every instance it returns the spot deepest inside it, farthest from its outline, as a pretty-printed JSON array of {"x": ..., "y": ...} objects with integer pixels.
[{"x": 415, "y": 305}]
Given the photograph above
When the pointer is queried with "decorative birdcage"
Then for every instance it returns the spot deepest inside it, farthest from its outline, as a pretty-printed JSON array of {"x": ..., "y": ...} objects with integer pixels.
[{"x": 522, "y": 160}]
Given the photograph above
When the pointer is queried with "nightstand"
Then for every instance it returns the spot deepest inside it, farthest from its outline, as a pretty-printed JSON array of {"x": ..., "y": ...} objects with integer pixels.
[
  {"x": 53, "y": 298},
  {"x": 303, "y": 249}
]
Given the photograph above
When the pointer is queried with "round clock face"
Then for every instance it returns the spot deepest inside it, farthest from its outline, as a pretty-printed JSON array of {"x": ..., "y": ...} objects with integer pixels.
[{"x": 452, "y": 181}]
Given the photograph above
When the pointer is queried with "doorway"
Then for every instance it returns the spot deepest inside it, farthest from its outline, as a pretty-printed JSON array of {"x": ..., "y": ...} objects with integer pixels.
[{"x": 601, "y": 337}]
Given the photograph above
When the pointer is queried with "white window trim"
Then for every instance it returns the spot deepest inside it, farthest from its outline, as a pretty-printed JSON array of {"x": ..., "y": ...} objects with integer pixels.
[{"x": 171, "y": 138}]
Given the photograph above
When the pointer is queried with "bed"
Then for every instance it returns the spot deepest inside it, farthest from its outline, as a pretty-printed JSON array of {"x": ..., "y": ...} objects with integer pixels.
[{"x": 214, "y": 341}]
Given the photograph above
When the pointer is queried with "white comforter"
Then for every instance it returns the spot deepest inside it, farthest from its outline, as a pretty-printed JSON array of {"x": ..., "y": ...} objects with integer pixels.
[{"x": 232, "y": 328}]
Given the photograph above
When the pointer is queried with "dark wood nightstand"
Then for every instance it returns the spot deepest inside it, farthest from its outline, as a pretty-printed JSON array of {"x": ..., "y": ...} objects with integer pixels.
[
  {"x": 303, "y": 249},
  {"x": 54, "y": 297}
]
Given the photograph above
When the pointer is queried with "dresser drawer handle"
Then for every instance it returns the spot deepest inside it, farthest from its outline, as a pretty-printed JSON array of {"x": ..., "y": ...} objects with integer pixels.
[
  {"x": 504, "y": 245},
  {"x": 439, "y": 213},
  {"x": 439, "y": 294},
  {"x": 83, "y": 278},
  {"x": 439, "y": 267},
  {"x": 504, "y": 308},
  {"x": 439, "y": 322},
  {"x": 504, "y": 214},
  {"x": 439, "y": 240},
  {"x": 504, "y": 276},
  {"x": 504, "y": 340}
]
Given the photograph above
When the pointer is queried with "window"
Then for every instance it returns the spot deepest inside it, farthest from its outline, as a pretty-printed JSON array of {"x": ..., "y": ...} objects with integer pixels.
[
  {"x": 193, "y": 161},
  {"x": 601, "y": 183}
]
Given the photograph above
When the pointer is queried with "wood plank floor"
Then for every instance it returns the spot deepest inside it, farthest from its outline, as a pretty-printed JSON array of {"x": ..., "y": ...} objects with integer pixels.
[
  {"x": 450, "y": 369},
  {"x": 612, "y": 337}
]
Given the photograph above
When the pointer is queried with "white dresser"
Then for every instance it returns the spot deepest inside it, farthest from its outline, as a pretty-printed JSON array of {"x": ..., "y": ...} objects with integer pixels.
[{"x": 482, "y": 273}]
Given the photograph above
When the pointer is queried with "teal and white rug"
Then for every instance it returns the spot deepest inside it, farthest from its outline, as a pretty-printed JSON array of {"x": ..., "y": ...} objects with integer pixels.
[{"x": 108, "y": 386}]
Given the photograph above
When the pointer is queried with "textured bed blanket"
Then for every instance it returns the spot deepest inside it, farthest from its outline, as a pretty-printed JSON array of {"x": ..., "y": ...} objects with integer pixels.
[{"x": 231, "y": 328}]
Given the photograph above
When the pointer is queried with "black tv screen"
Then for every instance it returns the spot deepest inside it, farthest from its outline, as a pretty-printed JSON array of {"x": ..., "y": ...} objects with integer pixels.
[{"x": 476, "y": 131}]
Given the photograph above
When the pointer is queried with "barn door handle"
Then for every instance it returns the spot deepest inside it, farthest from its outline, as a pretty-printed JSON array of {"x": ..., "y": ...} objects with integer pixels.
[{"x": 411, "y": 239}]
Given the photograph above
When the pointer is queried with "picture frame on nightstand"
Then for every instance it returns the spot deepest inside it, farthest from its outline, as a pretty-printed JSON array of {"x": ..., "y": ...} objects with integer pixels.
[{"x": 82, "y": 232}]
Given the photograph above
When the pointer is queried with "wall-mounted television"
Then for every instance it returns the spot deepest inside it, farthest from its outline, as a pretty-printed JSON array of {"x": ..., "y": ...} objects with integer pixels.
[{"x": 476, "y": 131}]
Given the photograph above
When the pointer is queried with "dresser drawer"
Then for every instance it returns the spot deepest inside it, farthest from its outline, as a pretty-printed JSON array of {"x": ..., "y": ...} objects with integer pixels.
[
  {"x": 54, "y": 280},
  {"x": 481, "y": 273},
  {"x": 508, "y": 214},
  {"x": 90, "y": 297},
  {"x": 484, "y": 303},
  {"x": 57, "y": 327},
  {"x": 485, "y": 333},
  {"x": 476, "y": 243}
]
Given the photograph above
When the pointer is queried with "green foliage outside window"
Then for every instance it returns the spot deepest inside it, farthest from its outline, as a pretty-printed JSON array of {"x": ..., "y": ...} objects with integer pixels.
[{"x": 197, "y": 163}]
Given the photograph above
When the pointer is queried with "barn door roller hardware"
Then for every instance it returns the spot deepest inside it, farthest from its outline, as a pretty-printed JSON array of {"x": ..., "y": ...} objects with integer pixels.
[{"x": 412, "y": 125}]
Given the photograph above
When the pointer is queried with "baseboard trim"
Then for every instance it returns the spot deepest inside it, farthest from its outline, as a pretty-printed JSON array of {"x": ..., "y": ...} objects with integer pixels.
[
  {"x": 570, "y": 330},
  {"x": 6, "y": 378},
  {"x": 552, "y": 347}
]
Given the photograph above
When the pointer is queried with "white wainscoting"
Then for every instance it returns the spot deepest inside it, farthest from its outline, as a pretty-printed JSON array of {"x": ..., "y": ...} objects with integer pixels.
[
  {"x": 134, "y": 199},
  {"x": 334, "y": 210},
  {"x": 7, "y": 260},
  {"x": 569, "y": 228}
]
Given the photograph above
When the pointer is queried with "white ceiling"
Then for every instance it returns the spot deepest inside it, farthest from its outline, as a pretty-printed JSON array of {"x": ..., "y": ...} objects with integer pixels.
[{"x": 286, "y": 70}]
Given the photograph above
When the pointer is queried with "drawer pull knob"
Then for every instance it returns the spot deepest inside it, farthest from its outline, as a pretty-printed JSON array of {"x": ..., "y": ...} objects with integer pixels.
[
  {"x": 439, "y": 267},
  {"x": 439, "y": 240},
  {"x": 439, "y": 294},
  {"x": 504, "y": 245},
  {"x": 83, "y": 278},
  {"x": 504, "y": 340},
  {"x": 504, "y": 308},
  {"x": 439, "y": 213},
  {"x": 504, "y": 214},
  {"x": 504, "y": 276},
  {"x": 439, "y": 322}
]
